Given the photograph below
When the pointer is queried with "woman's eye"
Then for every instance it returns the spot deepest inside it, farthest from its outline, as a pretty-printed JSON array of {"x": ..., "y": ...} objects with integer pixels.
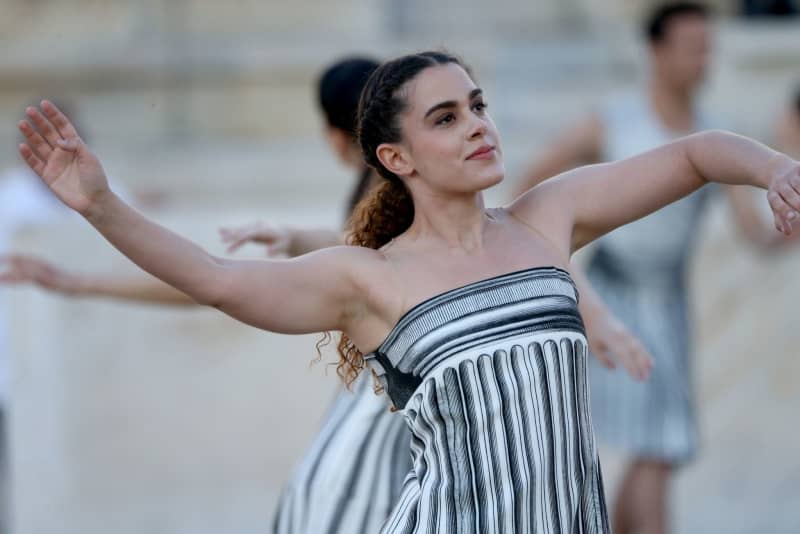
[
  {"x": 479, "y": 107},
  {"x": 445, "y": 119}
]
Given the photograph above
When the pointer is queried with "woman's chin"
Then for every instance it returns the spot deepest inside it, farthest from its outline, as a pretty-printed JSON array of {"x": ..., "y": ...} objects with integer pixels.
[{"x": 492, "y": 178}]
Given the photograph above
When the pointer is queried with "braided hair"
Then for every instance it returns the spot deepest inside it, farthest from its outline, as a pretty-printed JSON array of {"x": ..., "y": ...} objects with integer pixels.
[{"x": 388, "y": 210}]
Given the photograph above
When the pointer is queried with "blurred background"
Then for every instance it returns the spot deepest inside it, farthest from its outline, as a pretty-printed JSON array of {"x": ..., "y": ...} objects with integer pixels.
[{"x": 129, "y": 419}]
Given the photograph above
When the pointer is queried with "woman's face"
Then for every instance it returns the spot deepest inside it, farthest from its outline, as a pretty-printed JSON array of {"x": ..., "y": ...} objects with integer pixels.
[{"x": 449, "y": 141}]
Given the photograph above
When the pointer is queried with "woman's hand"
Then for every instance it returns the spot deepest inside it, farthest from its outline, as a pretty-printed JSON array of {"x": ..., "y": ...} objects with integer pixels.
[
  {"x": 20, "y": 269},
  {"x": 784, "y": 192},
  {"x": 278, "y": 240},
  {"x": 611, "y": 343},
  {"x": 54, "y": 151}
]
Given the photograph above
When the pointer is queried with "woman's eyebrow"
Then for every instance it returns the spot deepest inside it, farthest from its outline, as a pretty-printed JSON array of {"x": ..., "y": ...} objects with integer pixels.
[{"x": 452, "y": 103}]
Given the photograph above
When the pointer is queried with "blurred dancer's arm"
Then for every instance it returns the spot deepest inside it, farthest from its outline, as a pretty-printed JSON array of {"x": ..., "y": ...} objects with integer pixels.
[
  {"x": 23, "y": 269},
  {"x": 280, "y": 240},
  {"x": 579, "y": 145},
  {"x": 609, "y": 340}
]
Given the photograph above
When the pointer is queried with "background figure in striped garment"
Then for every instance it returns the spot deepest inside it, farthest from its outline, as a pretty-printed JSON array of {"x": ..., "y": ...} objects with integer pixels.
[
  {"x": 462, "y": 311},
  {"x": 640, "y": 270}
]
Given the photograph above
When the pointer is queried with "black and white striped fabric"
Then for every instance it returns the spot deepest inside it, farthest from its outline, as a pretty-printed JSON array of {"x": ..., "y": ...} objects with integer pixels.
[
  {"x": 492, "y": 381},
  {"x": 640, "y": 271},
  {"x": 352, "y": 475},
  {"x": 646, "y": 288}
]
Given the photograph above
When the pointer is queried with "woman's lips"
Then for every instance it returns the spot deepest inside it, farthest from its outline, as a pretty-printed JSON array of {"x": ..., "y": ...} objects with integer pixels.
[{"x": 484, "y": 152}]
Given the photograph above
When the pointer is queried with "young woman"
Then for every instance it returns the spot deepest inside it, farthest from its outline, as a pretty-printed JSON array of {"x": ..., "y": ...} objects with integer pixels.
[
  {"x": 465, "y": 313},
  {"x": 330, "y": 491}
]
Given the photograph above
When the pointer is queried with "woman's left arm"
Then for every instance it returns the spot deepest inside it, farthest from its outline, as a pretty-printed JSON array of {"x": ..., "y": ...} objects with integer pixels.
[{"x": 588, "y": 202}]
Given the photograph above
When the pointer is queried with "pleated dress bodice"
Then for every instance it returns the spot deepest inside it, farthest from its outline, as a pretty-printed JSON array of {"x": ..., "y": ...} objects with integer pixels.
[{"x": 491, "y": 379}]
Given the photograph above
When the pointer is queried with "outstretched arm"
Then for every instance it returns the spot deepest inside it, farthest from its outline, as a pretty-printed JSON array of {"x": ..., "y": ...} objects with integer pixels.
[
  {"x": 312, "y": 293},
  {"x": 25, "y": 269},
  {"x": 583, "y": 204}
]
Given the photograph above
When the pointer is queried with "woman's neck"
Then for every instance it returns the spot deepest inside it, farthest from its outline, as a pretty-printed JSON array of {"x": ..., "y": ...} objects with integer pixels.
[{"x": 457, "y": 223}]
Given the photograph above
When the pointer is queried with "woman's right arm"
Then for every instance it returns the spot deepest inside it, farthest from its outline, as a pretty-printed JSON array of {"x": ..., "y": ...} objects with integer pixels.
[{"x": 312, "y": 293}]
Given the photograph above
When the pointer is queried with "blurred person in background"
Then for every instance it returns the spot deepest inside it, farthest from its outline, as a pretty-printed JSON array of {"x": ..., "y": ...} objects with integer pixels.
[
  {"x": 640, "y": 270},
  {"x": 329, "y": 491},
  {"x": 424, "y": 236}
]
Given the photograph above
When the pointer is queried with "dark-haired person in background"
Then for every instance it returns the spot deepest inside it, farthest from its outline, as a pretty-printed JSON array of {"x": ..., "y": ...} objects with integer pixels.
[
  {"x": 338, "y": 91},
  {"x": 640, "y": 271}
]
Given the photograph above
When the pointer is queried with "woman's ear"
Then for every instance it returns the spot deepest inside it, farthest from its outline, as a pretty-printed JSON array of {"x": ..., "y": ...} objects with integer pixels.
[{"x": 395, "y": 158}]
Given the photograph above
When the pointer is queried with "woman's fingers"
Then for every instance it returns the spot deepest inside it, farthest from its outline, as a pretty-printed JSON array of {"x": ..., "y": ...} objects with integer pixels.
[
  {"x": 233, "y": 238},
  {"x": 228, "y": 235},
  {"x": 792, "y": 200},
  {"x": 601, "y": 352},
  {"x": 41, "y": 147},
  {"x": 237, "y": 244},
  {"x": 784, "y": 199},
  {"x": 784, "y": 214},
  {"x": 631, "y": 354},
  {"x": 34, "y": 162},
  {"x": 640, "y": 361},
  {"x": 43, "y": 124},
  {"x": 21, "y": 268},
  {"x": 788, "y": 190},
  {"x": 59, "y": 120},
  {"x": 11, "y": 270}
]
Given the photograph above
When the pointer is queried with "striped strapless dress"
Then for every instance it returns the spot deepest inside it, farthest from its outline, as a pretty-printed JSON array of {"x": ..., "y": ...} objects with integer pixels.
[{"x": 491, "y": 379}]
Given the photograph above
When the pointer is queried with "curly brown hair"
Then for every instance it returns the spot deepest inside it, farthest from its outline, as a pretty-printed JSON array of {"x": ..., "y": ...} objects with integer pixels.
[
  {"x": 388, "y": 209},
  {"x": 386, "y": 212}
]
